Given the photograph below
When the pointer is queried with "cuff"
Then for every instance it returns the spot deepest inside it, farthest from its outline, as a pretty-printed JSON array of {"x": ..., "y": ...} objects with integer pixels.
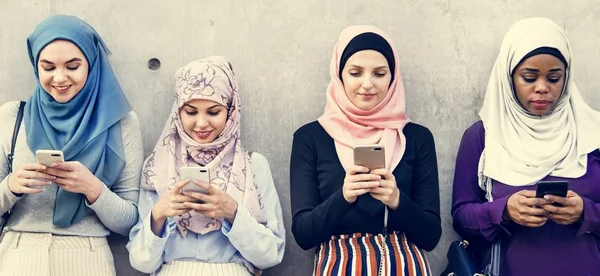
[
  {"x": 6, "y": 194},
  {"x": 242, "y": 222},
  {"x": 590, "y": 217},
  {"x": 100, "y": 201}
]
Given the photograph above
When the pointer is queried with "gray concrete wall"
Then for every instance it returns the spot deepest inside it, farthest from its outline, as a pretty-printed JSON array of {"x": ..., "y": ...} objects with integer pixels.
[{"x": 281, "y": 52}]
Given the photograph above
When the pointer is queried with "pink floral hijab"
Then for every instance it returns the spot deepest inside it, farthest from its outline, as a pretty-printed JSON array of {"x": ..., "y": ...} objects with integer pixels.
[{"x": 212, "y": 79}]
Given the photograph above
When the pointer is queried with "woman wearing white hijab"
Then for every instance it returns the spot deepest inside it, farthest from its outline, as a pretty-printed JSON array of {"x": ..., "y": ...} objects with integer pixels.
[{"x": 534, "y": 126}]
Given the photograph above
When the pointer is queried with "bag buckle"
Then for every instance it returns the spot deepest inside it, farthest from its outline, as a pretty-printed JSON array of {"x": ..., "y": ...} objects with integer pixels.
[{"x": 464, "y": 244}]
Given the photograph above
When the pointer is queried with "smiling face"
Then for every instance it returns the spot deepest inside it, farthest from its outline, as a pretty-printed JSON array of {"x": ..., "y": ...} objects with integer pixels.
[
  {"x": 366, "y": 77},
  {"x": 538, "y": 83},
  {"x": 62, "y": 70},
  {"x": 203, "y": 120}
]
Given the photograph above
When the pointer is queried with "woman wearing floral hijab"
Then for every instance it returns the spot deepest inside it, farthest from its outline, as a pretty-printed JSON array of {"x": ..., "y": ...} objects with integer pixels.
[
  {"x": 534, "y": 126},
  {"x": 365, "y": 222},
  {"x": 234, "y": 229}
]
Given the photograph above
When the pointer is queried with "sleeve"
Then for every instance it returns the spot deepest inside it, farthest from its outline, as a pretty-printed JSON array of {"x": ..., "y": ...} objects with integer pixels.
[
  {"x": 590, "y": 218},
  {"x": 116, "y": 207},
  {"x": 262, "y": 245},
  {"x": 8, "y": 113},
  {"x": 146, "y": 250},
  {"x": 418, "y": 213},
  {"x": 472, "y": 214},
  {"x": 313, "y": 221}
]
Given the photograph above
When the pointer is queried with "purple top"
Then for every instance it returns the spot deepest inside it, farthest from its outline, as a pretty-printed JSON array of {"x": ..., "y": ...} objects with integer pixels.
[{"x": 552, "y": 249}]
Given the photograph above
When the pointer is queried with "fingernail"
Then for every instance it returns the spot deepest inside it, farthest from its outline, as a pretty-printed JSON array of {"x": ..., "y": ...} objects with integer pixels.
[{"x": 547, "y": 197}]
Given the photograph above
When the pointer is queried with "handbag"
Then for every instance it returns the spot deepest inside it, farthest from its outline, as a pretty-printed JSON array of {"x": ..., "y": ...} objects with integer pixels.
[
  {"x": 10, "y": 157},
  {"x": 461, "y": 261}
]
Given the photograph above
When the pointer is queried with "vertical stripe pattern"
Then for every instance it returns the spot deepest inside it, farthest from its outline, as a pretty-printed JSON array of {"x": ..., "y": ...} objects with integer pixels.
[
  {"x": 44, "y": 254},
  {"x": 368, "y": 254},
  {"x": 190, "y": 268}
]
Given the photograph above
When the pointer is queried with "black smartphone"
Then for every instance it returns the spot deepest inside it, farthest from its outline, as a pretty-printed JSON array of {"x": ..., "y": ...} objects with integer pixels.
[{"x": 557, "y": 188}]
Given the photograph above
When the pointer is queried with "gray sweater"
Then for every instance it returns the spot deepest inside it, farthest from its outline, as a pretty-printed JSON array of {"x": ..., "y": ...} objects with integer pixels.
[{"x": 114, "y": 210}]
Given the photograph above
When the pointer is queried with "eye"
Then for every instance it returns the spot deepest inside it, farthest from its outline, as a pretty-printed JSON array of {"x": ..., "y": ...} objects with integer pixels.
[
  {"x": 529, "y": 79},
  {"x": 191, "y": 112},
  {"x": 73, "y": 68},
  {"x": 554, "y": 79},
  {"x": 354, "y": 73},
  {"x": 48, "y": 69},
  {"x": 214, "y": 113},
  {"x": 380, "y": 74}
]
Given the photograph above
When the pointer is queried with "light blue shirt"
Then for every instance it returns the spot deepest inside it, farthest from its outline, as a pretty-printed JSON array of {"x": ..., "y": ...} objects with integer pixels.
[{"x": 245, "y": 241}]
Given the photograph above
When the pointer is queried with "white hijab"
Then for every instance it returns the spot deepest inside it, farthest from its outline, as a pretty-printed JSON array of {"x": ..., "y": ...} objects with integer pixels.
[{"x": 520, "y": 148}]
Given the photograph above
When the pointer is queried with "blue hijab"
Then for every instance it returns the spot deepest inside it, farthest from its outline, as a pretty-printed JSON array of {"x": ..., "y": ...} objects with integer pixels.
[{"x": 86, "y": 128}]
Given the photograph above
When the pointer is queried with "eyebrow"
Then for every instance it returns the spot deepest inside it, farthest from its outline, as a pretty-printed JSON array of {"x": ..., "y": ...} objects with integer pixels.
[
  {"x": 188, "y": 105},
  {"x": 376, "y": 68},
  {"x": 537, "y": 71},
  {"x": 68, "y": 61}
]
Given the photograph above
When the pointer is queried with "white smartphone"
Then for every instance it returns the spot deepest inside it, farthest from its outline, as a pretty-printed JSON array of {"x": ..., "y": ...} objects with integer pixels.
[
  {"x": 195, "y": 173},
  {"x": 370, "y": 156},
  {"x": 47, "y": 157}
]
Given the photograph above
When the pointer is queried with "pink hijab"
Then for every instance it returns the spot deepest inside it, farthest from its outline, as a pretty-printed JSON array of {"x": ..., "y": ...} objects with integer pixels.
[
  {"x": 350, "y": 126},
  {"x": 229, "y": 164}
]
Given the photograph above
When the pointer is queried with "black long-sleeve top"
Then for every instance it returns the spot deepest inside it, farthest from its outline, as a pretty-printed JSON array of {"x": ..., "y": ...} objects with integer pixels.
[{"x": 320, "y": 210}]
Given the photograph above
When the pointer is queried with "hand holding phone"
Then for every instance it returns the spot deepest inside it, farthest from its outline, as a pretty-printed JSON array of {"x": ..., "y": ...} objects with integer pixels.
[
  {"x": 195, "y": 173},
  {"x": 556, "y": 188},
  {"x": 48, "y": 157},
  {"x": 370, "y": 156}
]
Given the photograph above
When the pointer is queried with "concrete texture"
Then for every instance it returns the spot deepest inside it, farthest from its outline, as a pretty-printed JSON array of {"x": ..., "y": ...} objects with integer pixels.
[{"x": 281, "y": 52}]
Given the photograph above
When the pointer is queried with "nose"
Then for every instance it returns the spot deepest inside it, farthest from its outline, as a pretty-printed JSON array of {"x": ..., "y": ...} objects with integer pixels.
[
  {"x": 201, "y": 122},
  {"x": 541, "y": 87},
  {"x": 60, "y": 76},
  {"x": 367, "y": 83}
]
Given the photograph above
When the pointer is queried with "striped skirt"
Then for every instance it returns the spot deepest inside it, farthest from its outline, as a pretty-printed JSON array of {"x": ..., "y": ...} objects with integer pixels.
[
  {"x": 44, "y": 254},
  {"x": 368, "y": 254}
]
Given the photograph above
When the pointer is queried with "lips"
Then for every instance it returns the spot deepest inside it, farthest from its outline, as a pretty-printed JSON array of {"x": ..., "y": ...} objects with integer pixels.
[
  {"x": 541, "y": 104},
  {"x": 367, "y": 97},
  {"x": 61, "y": 89},
  {"x": 202, "y": 134}
]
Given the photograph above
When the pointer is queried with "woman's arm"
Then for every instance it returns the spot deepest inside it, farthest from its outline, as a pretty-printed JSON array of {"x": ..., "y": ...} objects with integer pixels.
[
  {"x": 471, "y": 212},
  {"x": 116, "y": 207},
  {"x": 313, "y": 221},
  {"x": 146, "y": 250},
  {"x": 262, "y": 245},
  {"x": 418, "y": 213}
]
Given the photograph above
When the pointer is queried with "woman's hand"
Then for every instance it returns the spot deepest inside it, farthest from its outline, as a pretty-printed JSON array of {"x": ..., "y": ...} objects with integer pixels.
[
  {"x": 170, "y": 204},
  {"x": 525, "y": 209},
  {"x": 358, "y": 182},
  {"x": 215, "y": 204},
  {"x": 387, "y": 191},
  {"x": 569, "y": 213},
  {"x": 74, "y": 177},
  {"x": 29, "y": 178}
]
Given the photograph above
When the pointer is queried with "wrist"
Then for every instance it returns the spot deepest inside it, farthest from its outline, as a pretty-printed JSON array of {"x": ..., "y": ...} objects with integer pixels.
[
  {"x": 396, "y": 202},
  {"x": 157, "y": 215},
  {"x": 95, "y": 191},
  {"x": 8, "y": 181},
  {"x": 233, "y": 213}
]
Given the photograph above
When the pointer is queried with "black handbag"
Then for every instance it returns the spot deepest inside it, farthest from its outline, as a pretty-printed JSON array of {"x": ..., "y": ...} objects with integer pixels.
[
  {"x": 461, "y": 261},
  {"x": 6, "y": 215}
]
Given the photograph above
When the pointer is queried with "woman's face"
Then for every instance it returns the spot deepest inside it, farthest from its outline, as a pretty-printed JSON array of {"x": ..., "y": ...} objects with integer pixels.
[
  {"x": 366, "y": 76},
  {"x": 62, "y": 70},
  {"x": 538, "y": 82},
  {"x": 203, "y": 120}
]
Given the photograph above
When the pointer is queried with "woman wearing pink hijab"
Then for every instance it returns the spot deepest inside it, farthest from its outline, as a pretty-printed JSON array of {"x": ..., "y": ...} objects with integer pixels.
[{"x": 365, "y": 222}]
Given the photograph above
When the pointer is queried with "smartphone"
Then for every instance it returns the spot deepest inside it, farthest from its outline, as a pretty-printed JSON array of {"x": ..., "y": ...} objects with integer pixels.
[
  {"x": 370, "y": 156},
  {"x": 47, "y": 157},
  {"x": 557, "y": 188},
  {"x": 195, "y": 173}
]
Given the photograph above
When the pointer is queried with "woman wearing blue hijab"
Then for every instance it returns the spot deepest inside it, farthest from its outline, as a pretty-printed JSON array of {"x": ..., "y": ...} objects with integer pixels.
[{"x": 62, "y": 213}]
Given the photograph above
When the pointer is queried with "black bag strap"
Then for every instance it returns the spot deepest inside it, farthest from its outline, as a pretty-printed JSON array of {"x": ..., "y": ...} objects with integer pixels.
[{"x": 15, "y": 134}]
